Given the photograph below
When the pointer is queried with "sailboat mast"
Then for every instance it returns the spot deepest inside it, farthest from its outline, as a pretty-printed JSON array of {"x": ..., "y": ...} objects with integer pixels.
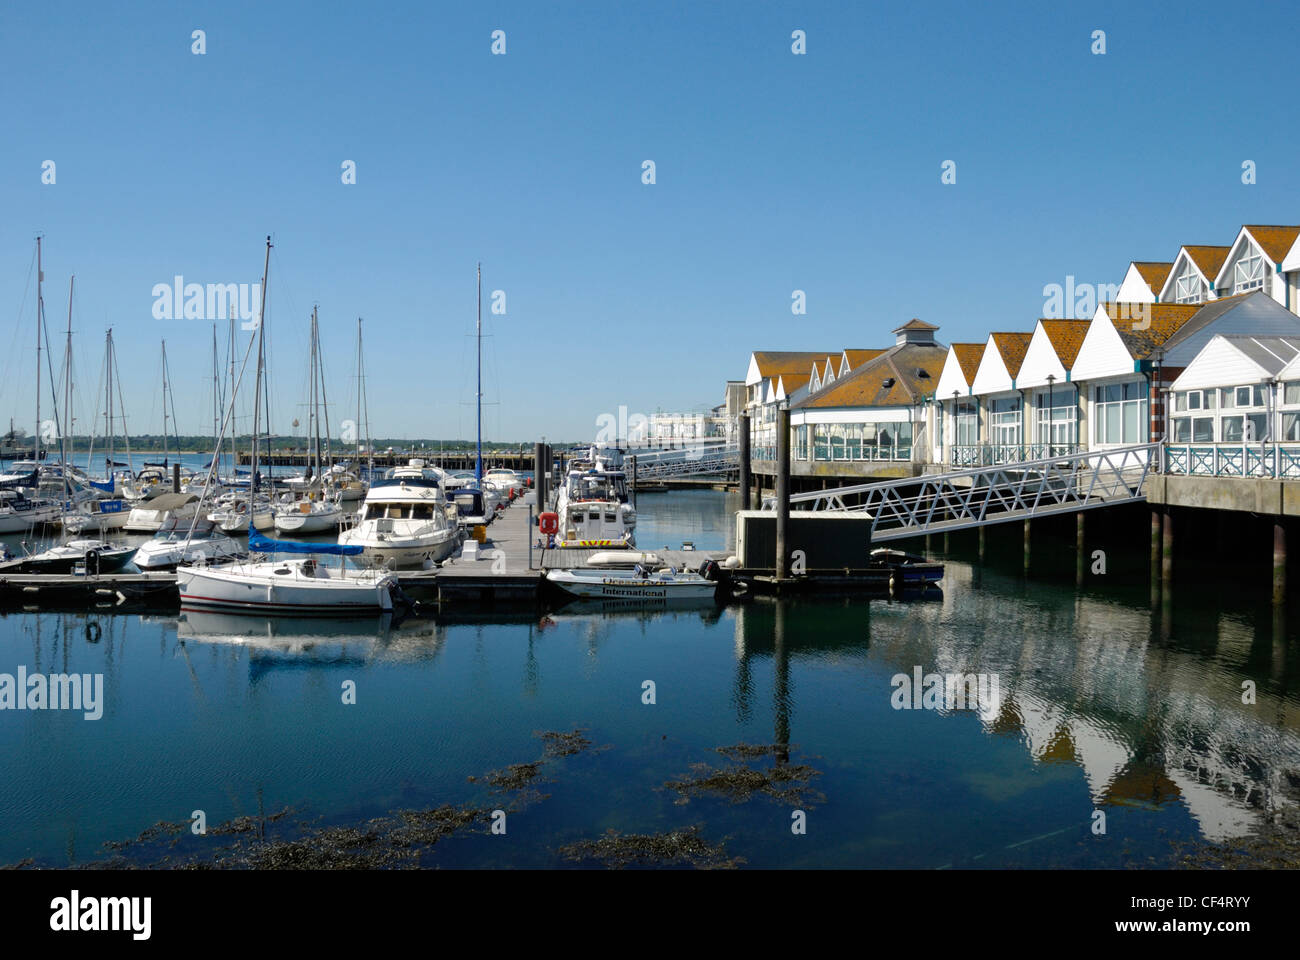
[
  {"x": 108, "y": 398},
  {"x": 478, "y": 406},
  {"x": 164, "y": 400},
  {"x": 234, "y": 460},
  {"x": 64, "y": 452},
  {"x": 324, "y": 397},
  {"x": 261, "y": 362},
  {"x": 40, "y": 313}
]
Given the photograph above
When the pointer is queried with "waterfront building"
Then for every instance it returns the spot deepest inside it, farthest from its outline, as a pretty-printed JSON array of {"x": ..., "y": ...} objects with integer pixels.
[
  {"x": 870, "y": 421},
  {"x": 1143, "y": 282},
  {"x": 1191, "y": 280},
  {"x": 1263, "y": 258}
]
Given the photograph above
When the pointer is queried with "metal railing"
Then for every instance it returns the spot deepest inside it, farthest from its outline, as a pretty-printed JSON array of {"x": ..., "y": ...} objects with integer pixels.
[
  {"x": 992, "y": 494},
  {"x": 700, "y": 459},
  {"x": 1276, "y": 461},
  {"x": 991, "y": 454}
]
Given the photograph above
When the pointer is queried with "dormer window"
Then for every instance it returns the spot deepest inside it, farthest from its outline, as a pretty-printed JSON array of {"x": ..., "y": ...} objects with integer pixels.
[{"x": 1248, "y": 272}]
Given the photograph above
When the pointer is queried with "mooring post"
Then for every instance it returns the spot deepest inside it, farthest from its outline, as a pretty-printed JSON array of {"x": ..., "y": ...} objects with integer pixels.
[
  {"x": 744, "y": 461},
  {"x": 634, "y": 481},
  {"x": 539, "y": 478},
  {"x": 1080, "y": 550},
  {"x": 1167, "y": 548},
  {"x": 981, "y": 544},
  {"x": 176, "y": 477},
  {"x": 782, "y": 491},
  {"x": 1027, "y": 541},
  {"x": 1155, "y": 552},
  {"x": 1279, "y": 562}
]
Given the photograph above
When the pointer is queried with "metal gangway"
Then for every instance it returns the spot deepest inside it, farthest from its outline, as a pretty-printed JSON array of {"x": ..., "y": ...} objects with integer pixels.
[
  {"x": 692, "y": 459},
  {"x": 986, "y": 495}
]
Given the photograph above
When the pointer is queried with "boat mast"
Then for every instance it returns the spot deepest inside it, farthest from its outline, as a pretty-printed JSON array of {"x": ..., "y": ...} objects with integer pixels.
[
  {"x": 261, "y": 362},
  {"x": 478, "y": 327},
  {"x": 216, "y": 397},
  {"x": 40, "y": 313},
  {"x": 164, "y": 400},
  {"x": 230, "y": 349},
  {"x": 67, "y": 394},
  {"x": 121, "y": 405},
  {"x": 324, "y": 397},
  {"x": 360, "y": 381}
]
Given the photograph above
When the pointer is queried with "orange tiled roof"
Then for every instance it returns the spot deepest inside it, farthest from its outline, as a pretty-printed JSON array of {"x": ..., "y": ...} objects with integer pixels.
[
  {"x": 969, "y": 356},
  {"x": 867, "y": 385},
  {"x": 859, "y": 357},
  {"x": 1209, "y": 260},
  {"x": 1154, "y": 274},
  {"x": 1144, "y": 327},
  {"x": 1276, "y": 241},
  {"x": 1012, "y": 348},
  {"x": 915, "y": 324},
  {"x": 772, "y": 363},
  {"x": 1066, "y": 337}
]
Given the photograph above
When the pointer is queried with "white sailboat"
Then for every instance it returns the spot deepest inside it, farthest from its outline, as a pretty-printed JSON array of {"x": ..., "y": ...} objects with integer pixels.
[{"x": 284, "y": 586}]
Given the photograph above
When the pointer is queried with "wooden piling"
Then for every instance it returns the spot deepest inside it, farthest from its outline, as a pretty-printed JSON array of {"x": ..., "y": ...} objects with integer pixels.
[
  {"x": 782, "y": 492},
  {"x": 1080, "y": 548},
  {"x": 745, "y": 480},
  {"x": 1167, "y": 548},
  {"x": 1279, "y": 562},
  {"x": 1027, "y": 543}
]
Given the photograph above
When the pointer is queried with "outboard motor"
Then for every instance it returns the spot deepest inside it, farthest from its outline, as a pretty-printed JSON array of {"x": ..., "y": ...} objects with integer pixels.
[{"x": 709, "y": 570}]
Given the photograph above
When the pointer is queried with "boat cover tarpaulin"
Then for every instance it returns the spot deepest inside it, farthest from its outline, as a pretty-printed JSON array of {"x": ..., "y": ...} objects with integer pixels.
[
  {"x": 106, "y": 485},
  {"x": 31, "y": 480},
  {"x": 257, "y": 543}
]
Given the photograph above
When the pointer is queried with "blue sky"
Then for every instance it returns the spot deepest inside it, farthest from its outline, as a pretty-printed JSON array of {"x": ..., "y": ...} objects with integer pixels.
[{"x": 774, "y": 172}]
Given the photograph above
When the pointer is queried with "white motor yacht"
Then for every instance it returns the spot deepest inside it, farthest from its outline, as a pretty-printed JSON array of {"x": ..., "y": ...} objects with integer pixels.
[
  {"x": 405, "y": 522},
  {"x": 178, "y": 545}
]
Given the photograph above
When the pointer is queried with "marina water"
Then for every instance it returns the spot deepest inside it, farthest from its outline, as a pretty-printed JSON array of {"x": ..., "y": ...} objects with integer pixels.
[{"x": 1100, "y": 707}]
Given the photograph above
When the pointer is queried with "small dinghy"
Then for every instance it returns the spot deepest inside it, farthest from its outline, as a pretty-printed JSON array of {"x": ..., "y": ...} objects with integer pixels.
[
  {"x": 637, "y": 583},
  {"x": 915, "y": 571},
  {"x": 625, "y": 558}
]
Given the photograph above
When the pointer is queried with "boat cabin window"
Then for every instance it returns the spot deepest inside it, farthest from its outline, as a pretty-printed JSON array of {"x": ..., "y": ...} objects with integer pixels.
[
  {"x": 396, "y": 511},
  {"x": 422, "y": 511}
]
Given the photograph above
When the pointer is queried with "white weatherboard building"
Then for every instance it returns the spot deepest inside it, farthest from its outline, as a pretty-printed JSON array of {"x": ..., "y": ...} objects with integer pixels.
[{"x": 1236, "y": 409}]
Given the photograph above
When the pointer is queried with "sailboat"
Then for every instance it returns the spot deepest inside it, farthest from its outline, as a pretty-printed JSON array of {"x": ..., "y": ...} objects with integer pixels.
[
  {"x": 21, "y": 507},
  {"x": 110, "y": 510},
  {"x": 304, "y": 585},
  {"x": 315, "y": 512}
]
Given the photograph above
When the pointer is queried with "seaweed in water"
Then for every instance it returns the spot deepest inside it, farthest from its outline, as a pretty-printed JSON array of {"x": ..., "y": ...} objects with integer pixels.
[
  {"x": 683, "y": 847},
  {"x": 781, "y": 780}
]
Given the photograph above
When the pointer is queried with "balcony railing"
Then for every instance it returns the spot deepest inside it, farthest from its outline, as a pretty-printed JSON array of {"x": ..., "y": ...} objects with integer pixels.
[
  {"x": 1278, "y": 461},
  {"x": 994, "y": 454}
]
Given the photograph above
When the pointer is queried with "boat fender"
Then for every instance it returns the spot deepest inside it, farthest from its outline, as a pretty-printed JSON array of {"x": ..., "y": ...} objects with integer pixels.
[{"x": 93, "y": 632}]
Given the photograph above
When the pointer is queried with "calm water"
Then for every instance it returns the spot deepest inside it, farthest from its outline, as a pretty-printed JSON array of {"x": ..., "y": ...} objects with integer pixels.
[{"x": 1102, "y": 706}]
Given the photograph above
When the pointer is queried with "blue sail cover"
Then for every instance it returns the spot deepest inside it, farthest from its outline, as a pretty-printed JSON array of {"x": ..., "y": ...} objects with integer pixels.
[
  {"x": 260, "y": 544},
  {"x": 106, "y": 485}
]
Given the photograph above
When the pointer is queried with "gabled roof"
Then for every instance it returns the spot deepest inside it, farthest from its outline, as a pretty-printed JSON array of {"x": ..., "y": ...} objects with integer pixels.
[
  {"x": 1012, "y": 348},
  {"x": 1274, "y": 241},
  {"x": 1208, "y": 260},
  {"x": 1066, "y": 337},
  {"x": 968, "y": 356},
  {"x": 1155, "y": 274},
  {"x": 889, "y": 380}
]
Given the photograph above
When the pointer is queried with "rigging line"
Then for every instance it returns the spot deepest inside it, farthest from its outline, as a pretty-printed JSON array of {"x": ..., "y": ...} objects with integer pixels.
[{"x": 18, "y": 324}]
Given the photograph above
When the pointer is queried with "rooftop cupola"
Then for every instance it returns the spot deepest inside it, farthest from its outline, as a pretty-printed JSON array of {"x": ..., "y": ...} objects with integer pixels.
[{"x": 915, "y": 331}]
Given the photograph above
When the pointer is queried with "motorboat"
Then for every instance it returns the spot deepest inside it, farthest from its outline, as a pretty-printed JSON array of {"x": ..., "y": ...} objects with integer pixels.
[
  {"x": 639, "y": 583},
  {"x": 344, "y": 485},
  {"x": 507, "y": 480},
  {"x": 471, "y": 506},
  {"x": 178, "y": 544},
  {"x": 308, "y": 516},
  {"x": 593, "y": 510},
  {"x": 155, "y": 513},
  {"x": 405, "y": 522},
  {"x": 310, "y": 584},
  {"x": 91, "y": 556}
]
